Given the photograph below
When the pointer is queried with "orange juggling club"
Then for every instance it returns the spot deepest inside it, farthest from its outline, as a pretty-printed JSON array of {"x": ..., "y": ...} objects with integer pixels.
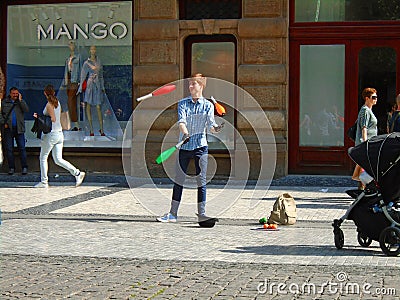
[{"x": 218, "y": 107}]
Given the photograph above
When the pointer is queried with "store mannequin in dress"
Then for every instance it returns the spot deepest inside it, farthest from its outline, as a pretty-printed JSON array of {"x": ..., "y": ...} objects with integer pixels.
[
  {"x": 92, "y": 72},
  {"x": 71, "y": 81}
]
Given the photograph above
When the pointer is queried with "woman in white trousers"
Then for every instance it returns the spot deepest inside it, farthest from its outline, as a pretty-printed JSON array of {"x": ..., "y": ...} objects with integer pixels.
[{"x": 54, "y": 141}]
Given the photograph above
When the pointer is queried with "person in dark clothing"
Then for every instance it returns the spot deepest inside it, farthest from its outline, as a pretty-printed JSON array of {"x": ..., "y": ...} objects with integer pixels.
[
  {"x": 12, "y": 122},
  {"x": 2, "y": 85},
  {"x": 394, "y": 122}
]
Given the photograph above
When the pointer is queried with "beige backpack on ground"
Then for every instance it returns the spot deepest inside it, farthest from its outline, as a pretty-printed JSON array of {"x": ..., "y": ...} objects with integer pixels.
[{"x": 284, "y": 211}]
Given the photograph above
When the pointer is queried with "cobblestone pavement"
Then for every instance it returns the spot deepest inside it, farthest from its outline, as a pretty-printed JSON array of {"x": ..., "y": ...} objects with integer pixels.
[
  {"x": 71, "y": 277},
  {"x": 98, "y": 241}
]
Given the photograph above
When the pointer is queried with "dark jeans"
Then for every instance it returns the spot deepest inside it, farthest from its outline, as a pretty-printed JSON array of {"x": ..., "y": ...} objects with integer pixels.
[
  {"x": 8, "y": 140},
  {"x": 200, "y": 156}
]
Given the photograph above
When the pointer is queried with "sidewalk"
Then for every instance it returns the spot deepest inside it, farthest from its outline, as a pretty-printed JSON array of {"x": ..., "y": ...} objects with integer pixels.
[
  {"x": 105, "y": 206},
  {"x": 101, "y": 241},
  {"x": 318, "y": 198}
]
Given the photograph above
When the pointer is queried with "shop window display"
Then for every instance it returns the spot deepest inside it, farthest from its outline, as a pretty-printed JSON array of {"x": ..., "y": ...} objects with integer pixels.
[{"x": 85, "y": 51}]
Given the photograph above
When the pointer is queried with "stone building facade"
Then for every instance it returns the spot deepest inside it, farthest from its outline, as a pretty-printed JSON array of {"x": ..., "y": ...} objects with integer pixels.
[
  {"x": 158, "y": 37},
  {"x": 262, "y": 66}
]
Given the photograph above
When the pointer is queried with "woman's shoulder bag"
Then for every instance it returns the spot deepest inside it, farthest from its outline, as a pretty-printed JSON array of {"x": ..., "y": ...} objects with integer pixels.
[
  {"x": 42, "y": 124},
  {"x": 352, "y": 132}
]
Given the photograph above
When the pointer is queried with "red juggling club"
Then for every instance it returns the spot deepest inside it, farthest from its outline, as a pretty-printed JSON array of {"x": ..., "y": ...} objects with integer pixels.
[{"x": 158, "y": 92}]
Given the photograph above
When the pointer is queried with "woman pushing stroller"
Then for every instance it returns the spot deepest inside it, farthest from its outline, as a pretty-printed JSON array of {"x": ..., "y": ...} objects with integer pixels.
[
  {"x": 367, "y": 123},
  {"x": 376, "y": 209}
]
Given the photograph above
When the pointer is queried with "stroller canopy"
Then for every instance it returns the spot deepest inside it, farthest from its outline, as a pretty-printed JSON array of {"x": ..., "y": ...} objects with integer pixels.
[{"x": 380, "y": 158}]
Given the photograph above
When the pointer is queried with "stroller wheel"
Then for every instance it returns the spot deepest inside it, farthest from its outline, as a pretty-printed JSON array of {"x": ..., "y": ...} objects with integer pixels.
[
  {"x": 363, "y": 240},
  {"x": 389, "y": 241},
  {"x": 339, "y": 238}
]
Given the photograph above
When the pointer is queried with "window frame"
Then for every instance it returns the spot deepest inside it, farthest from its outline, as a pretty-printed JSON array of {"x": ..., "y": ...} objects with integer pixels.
[
  {"x": 192, "y": 39},
  {"x": 4, "y": 57},
  {"x": 335, "y": 24}
]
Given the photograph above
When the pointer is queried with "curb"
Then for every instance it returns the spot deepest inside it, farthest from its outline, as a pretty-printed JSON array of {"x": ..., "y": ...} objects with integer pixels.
[{"x": 289, "y": 180}]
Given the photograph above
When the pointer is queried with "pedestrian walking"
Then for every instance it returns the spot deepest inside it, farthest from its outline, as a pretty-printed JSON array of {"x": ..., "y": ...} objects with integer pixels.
[
  {"x": 367, "y": 123},
  {"x": 54, "y": 141}
]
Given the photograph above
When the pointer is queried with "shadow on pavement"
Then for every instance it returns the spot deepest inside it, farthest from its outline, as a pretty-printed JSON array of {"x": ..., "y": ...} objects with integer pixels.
[{"x": 305, "y": 250}]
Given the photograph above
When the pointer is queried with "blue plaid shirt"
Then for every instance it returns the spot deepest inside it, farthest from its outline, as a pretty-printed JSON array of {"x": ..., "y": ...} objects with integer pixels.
[{"x": 197, "y": 116}]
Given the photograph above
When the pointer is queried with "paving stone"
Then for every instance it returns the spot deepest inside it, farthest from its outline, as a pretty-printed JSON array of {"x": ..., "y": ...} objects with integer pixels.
[{"x": 98, "y": 242}]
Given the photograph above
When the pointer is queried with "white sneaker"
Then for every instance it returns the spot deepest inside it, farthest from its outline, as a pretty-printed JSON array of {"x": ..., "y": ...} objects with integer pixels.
[
  {"x": 41, "y": 185},
  {"x": 167, "y": 218},
  {"x": 79, "y": 178}
]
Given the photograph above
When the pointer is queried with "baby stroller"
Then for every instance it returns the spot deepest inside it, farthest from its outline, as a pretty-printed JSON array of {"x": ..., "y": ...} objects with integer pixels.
[{"x": 376, "y": 209}]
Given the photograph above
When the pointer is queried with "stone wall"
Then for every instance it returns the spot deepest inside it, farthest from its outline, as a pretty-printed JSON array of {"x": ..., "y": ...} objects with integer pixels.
[{"x": 262, "y": 48}]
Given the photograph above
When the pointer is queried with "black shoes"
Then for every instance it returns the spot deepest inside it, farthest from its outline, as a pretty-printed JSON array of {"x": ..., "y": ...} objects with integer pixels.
[
  {"x": 206, "y": 222},
  {"x": 11, "y": 171}
]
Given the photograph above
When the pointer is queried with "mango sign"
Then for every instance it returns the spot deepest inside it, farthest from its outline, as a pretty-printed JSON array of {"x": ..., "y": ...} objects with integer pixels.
[{"x": 98, "y": 31}]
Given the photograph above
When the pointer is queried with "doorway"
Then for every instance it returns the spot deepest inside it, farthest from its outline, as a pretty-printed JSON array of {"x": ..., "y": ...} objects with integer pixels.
[
  {"x": 326, "y": 81},
  {"x": 377, "y": 65}
]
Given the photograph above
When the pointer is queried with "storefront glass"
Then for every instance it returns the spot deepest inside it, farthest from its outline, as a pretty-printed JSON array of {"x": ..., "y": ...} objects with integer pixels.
[
  {"x": 73, "y": 46},
  {"x": 346, "y": 10},
  {"x": 322, "y": 95}
]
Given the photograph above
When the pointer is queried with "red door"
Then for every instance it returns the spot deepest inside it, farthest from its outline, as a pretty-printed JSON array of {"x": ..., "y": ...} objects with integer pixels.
[
  {"x": 326, "y": 80},
  {"x": 375, "y": 64}
]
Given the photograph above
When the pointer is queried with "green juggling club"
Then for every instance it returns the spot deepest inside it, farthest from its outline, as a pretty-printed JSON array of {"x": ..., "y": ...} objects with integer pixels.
[{"x": 167, "y": 153}]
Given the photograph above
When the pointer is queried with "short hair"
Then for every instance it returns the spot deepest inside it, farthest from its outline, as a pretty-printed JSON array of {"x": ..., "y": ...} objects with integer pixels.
[
  {"x": 13, "y": 89},
  {"x": 199, "y": 78},
  {"x": 367, "y": 92}
]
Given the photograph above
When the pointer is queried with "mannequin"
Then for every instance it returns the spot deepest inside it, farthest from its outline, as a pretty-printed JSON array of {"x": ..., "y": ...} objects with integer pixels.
[
  {"x": 71, "y": 81},
  {"x": 92, "y": 71}
]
